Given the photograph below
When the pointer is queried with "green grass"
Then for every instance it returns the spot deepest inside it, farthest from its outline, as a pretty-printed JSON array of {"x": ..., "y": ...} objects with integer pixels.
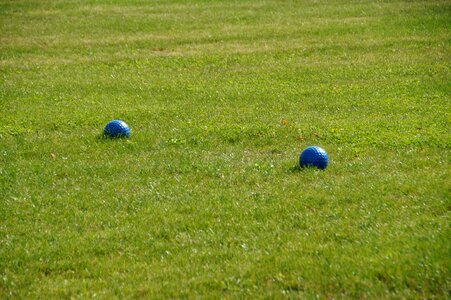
[{"x": 205, "y": 199}]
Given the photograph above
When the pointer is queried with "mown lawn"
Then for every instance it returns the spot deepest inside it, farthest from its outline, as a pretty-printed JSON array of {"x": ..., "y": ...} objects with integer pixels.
[{"x": 206, "y": 200}]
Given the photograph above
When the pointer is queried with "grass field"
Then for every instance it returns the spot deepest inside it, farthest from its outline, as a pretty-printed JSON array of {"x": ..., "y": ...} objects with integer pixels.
[{"x": 205, "y": 200}]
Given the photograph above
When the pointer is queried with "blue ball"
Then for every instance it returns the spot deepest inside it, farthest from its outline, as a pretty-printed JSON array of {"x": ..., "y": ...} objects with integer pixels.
[
  {"x": 314, "y": 156},
  {"x": 116, "y": 128}
]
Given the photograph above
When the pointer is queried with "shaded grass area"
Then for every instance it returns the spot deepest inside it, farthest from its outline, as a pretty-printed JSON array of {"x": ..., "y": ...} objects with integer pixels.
[{"x": 205, "y": 200}]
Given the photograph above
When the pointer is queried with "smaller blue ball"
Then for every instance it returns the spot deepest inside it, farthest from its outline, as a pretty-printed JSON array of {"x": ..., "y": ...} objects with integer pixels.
[
  {"x": 314, "y": 156},
  {"x": 116, "y": 129}
]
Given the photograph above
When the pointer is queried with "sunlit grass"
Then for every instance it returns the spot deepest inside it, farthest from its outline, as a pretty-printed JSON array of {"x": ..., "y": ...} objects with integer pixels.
[{"x": 206, "y": 200}]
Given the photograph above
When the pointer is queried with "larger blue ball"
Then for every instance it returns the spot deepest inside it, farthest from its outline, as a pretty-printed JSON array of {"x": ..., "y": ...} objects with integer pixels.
[
  {"x": 314, "y": 156},
  {"x": 116, "y": 128}
]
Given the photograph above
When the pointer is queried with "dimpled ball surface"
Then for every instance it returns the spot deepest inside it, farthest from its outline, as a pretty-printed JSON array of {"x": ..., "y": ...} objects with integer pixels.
[
  {"x": 116, "y": 128},
  {"x": 314, "y": 156}
]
